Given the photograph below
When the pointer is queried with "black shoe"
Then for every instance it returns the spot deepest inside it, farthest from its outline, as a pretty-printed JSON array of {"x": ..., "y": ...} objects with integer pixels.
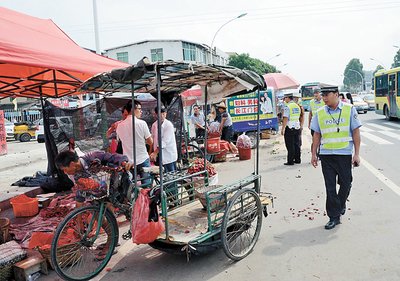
[
  {"x": 332, "y": 223},
  {"x": 288, "y": 164},
  {"x": 297, "y": 162}
]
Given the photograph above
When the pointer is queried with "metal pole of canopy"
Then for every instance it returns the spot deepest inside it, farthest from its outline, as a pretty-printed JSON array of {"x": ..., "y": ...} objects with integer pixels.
[
  {"x": 205, "y": 127},
  {"x": 133, "y": 134},
  {"x": 258, "y": 133},
  {"x": 159, "y": 137}
]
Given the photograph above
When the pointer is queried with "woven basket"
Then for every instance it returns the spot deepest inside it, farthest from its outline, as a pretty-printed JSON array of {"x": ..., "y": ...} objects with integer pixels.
[
  {"x": 65, "y": 254},
  {"x": 10, "y": 253},
  {"x": 4, "y": 228}
]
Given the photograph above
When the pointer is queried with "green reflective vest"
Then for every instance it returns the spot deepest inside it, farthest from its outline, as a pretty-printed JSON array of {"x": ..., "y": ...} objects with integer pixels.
[
  {"x": 294, "y": 115},
  {"x": 335, "y": 133},
  {"x": 315, "y": 106}
]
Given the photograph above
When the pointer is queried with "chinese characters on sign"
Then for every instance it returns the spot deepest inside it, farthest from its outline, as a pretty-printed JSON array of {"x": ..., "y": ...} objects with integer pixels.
[{"x": 3, "y": 136}]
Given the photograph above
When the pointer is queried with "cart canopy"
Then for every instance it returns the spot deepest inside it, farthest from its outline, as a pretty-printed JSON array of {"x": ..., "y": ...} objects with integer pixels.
[
  {"x": 37, "y": 56},
  {"x": 176, "y": 77}
]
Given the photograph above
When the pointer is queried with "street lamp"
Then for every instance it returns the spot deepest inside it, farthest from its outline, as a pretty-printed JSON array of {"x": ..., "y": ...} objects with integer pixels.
[
  {"x": 215, "y": 35},
  {"x": 362, "y": 78},
  {"x": 378, "y": 62}
]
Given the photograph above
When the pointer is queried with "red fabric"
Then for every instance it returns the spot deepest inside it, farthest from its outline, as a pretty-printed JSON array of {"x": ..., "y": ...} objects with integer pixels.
[
  {"x": 31, "y": 45},
  {"x": 224, "y": 145},
  {"x": 280, "y": 81}
]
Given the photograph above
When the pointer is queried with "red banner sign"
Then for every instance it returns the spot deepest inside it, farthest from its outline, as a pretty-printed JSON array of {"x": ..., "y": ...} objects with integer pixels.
[{"x": 60, "y": 103}]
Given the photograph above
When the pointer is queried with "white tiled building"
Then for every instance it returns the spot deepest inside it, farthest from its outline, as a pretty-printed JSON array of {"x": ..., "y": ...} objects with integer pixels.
[{"x": 160, "y": 50}]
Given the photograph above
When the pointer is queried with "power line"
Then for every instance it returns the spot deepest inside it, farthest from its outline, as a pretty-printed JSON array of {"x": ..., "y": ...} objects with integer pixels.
[{"x": 287, "y": 11}]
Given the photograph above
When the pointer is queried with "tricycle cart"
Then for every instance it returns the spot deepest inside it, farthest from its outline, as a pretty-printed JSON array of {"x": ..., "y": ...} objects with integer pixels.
[{"x": 225, "y": 215}]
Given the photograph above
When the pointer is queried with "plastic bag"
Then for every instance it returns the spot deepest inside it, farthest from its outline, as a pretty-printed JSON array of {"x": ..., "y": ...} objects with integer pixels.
[
  {"x": 243, "y": 141},
  {"x": 143, "y": 230}
]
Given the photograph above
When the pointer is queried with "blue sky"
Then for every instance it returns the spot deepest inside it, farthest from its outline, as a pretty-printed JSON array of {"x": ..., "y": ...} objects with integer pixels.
[{"x": 316, "y": 38}]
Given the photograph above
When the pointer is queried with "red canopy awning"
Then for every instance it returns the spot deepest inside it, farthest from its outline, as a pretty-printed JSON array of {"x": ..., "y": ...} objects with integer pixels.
[
  {"x": 280, "y": 81},
  {"x": 37, "y": 56}
]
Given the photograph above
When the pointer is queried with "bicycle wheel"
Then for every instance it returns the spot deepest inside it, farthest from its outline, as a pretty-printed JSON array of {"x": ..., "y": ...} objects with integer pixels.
[
  {"x": 76, "y": 252},
  {"x": 192, "y": 151},
  {"x": 241, "y": 225}
]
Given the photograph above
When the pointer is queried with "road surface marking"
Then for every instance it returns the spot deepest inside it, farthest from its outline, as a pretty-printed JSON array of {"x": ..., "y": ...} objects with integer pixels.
[
  {"x": 381, "y": 177},
  {"x": 391, "y": 134},
  {"x": 366, "y": 129},
  {"x": 380, "y": 127},
  {"x": 392, "y": 124},
  {"x": 376, "y": 139}
]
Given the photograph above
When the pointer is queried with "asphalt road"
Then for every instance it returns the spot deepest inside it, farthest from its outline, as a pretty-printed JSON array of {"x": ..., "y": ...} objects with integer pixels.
[{"x": 293, "y": 244}]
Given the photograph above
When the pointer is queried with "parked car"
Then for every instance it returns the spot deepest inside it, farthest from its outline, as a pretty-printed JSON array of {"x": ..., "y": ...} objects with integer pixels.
[
  {"x": 370, "y": 100},
  {"x": 24, "y": 131},
  {"x": 360, "y": 105},
  {"x": 9, "y": 129}
]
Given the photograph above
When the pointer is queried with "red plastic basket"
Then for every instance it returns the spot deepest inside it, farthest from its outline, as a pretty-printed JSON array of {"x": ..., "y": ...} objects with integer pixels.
[
  {"x": 244, "y": 153},
  {"x": 24, "y": 206},
  {"x": 213, "y": 145}
]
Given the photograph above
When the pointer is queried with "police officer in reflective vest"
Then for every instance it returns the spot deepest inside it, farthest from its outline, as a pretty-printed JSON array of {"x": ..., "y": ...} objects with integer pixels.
[
  {"x": 291, "y": 130},
  {"x": 315, "y": 104},
  {"x": 336, "y": 131}
]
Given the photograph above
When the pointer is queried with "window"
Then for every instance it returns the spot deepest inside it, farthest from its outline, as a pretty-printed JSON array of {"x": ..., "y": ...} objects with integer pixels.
[
  {"x": 157, "y": 54},
  {"x": 189, "y": 51},
  {"x": 123, "y": 56},
  {"x": 381, "y": 85},
  {"x": 398, "y": 83}
]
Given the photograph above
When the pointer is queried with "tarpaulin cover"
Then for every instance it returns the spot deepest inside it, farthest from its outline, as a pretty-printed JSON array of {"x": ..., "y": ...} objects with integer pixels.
[
  {"x": 87, "y": 126},
  {"x": 176, "y": 77},
  {"x": 36, "y": 52}
]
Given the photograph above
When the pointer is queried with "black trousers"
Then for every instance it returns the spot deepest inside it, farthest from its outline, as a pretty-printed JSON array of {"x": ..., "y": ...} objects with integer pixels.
[
  {"x": 336, "y": 168},
  {"x": 292, "y": 142}
]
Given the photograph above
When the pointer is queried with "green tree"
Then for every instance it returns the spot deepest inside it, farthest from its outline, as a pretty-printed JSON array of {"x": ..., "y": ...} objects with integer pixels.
[
  {"x": 396, "y": 59},
  {"x": 353, "y": 76},
  {"x": 244, "y": 61}
]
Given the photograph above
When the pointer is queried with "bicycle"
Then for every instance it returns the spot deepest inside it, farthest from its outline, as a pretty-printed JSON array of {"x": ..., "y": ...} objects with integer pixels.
[{"x": 85, "y": 240}]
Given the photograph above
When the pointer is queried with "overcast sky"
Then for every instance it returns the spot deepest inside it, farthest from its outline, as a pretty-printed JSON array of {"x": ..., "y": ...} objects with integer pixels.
[{"x": 316, "y": 38}]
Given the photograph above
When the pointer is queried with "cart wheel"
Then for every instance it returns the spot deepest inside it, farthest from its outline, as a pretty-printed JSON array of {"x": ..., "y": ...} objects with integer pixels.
[{"x": 241, "y": 225}]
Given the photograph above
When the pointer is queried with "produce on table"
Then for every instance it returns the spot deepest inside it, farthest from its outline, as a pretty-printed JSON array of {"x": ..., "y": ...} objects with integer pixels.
[
  {"x": 243, "y": 141},
  {"x": 198, "y": 165}
]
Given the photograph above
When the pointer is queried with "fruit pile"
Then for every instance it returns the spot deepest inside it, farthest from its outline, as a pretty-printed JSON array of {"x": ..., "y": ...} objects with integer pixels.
[
  {"x": 87, "y": 184},
  {"x": 198, "y": 165}
]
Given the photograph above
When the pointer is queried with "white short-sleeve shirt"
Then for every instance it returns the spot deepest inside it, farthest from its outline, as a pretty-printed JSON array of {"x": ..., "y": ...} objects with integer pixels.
[{"x": 124, "y": 133}]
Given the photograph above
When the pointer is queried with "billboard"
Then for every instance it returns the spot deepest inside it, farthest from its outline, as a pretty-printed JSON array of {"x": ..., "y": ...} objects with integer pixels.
[{"x": 244, "y": 108}]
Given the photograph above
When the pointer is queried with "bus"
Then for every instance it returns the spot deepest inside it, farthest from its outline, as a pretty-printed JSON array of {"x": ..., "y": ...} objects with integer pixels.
[
  {"x": 307, "y": 93},
  {"x": 387, "y": 92}
]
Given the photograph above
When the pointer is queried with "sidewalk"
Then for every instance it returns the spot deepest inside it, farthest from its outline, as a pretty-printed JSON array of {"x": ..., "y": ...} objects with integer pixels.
[{"x": 23, "y": 159}]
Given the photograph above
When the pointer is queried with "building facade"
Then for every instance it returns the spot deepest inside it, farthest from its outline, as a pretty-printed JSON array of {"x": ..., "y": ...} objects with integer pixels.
[{"x": 161, "y": 50}]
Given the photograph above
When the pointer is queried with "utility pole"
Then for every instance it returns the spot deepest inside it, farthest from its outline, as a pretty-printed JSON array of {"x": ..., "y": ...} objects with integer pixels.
[{"x": 96, "y": 27}]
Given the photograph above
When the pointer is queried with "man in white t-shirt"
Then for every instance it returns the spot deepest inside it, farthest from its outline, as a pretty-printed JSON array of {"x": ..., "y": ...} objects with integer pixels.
[
  {"x": 169, "y": 149},
  {"x": 142, "y": 137}
]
